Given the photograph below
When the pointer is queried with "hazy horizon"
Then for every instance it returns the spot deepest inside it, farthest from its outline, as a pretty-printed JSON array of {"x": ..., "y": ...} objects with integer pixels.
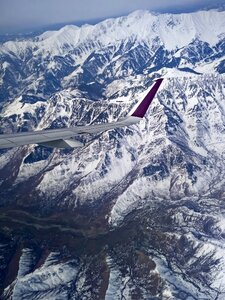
[{"x": 25, "y": 16}]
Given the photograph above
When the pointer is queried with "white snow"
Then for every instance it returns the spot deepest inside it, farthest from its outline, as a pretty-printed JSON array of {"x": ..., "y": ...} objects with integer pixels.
[
  {"x": 175, "y": 31},
  {"x": 17, "y": 107}
]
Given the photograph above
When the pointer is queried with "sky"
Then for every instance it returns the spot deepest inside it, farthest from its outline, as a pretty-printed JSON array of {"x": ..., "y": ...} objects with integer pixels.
[{"x": 24, "y": 15}]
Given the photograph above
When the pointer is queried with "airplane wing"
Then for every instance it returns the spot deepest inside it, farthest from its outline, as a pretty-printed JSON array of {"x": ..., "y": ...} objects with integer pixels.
[{"x": 63, "y": 138}]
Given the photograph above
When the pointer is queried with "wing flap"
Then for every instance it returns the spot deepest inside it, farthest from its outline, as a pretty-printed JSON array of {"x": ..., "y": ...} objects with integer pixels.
[
  {"x": 63, "y": 144},
  {"x": 36, "y": 137},
  {"x": 44, "y": 136}
]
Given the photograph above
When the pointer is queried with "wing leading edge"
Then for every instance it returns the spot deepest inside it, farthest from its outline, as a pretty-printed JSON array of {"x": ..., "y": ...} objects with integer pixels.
[{"x": 63, "y": 138}]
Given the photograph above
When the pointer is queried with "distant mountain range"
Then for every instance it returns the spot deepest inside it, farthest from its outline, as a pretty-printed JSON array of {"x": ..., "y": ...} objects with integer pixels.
[
  {"x": 151, "y": 195},
  {"x": 94, "y": 55}
]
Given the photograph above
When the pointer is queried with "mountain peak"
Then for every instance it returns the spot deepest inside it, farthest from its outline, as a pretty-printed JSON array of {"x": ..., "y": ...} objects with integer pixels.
[{"x": 159, "y": 184}]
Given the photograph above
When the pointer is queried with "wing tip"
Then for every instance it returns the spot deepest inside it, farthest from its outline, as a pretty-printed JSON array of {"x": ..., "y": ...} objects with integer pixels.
[{"x": 145, "y": 103}]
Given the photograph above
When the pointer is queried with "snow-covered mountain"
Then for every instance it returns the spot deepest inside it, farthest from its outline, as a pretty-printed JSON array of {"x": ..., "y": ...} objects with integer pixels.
[
  {"x": 139, "y": 212},
  {"x": 90, "y": 57}
]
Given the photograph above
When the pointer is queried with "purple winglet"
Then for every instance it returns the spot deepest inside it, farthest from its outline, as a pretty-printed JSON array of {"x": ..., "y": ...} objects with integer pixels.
[{"x": 142, "y": 108}]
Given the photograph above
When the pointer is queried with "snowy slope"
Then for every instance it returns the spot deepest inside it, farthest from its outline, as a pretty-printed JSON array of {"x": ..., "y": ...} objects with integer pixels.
[
  {"x": 93, "y": 54},
  {"x": 147, "y": 202}
]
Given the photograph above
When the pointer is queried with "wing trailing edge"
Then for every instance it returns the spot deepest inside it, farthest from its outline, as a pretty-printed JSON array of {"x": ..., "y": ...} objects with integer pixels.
[{"x": 63, "y": 138}]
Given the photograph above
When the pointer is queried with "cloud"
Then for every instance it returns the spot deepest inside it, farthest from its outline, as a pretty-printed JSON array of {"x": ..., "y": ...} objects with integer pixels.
[{"x": 16, "y": 15}]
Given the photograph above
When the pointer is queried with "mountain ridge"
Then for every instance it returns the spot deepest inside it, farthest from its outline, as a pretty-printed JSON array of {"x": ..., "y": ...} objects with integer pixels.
[
  {"x": 60, "y": 64},
  {"x": 138, "y": 211}
]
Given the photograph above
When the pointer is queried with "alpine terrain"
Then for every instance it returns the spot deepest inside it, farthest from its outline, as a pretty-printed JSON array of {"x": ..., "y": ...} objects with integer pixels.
[{"x": 138, "y": 212}]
